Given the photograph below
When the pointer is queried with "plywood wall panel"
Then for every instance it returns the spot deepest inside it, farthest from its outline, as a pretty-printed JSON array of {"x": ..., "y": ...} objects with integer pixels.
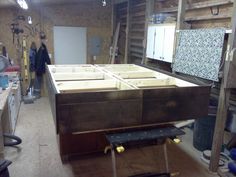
[
  {"x": 223, "y": 10},
  {"x": 92, "y": 15},
  {"x": 96, "y": 18}
]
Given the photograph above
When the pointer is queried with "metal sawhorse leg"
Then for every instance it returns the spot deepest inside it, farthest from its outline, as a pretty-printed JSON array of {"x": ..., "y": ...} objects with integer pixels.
[
  {"x": 163, "y": 133},
  {"x": 113, "y": 158}
]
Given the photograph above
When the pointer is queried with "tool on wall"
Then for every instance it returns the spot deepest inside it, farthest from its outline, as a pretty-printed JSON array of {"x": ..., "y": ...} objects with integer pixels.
[
  {"x": 28, "y": 98},
  {"x": 15, "y": 27},
  {"x": 25, "y": 59},
  {"x": 113, "y": 49},
  {"x": 33, "y": 29},
  {"x": 15, "y": 31}
]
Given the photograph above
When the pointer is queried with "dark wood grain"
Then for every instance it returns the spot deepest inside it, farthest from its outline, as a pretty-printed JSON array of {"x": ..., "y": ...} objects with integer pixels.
[
  {"x": 82, "y": 119},
  {"x": 174, "y": 104}
]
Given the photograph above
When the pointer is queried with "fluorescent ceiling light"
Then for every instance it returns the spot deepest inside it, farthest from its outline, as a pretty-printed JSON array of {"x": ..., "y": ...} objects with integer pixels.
[
  {"x": 23, "y": 4},
  {"x": 104, "y": 3}
]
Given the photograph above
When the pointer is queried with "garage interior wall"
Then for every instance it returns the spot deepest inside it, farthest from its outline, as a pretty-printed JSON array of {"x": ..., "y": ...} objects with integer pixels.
[
  {"x": 191, "y": 17},
  {"x": 136, "y": 24},
  {"x": 92, "y": 15}
]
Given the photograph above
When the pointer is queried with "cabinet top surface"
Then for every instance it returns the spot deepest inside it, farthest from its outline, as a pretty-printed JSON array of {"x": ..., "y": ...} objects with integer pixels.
[{"x": 102, "y": 78}]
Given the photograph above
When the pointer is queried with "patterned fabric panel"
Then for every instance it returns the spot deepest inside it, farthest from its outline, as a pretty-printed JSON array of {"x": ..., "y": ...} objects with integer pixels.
[{"x": 199, "y": 52}]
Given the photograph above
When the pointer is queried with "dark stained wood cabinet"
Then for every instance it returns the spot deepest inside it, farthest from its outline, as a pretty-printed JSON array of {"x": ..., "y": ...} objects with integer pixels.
[{"x": 87, "y": 101}]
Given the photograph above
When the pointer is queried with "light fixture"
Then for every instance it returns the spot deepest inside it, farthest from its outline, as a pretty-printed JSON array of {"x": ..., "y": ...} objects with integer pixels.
[
  {"x": 30, "y": 20},
  {"x": 23, "y": 4},
  {"x": 104, "y": 3}
]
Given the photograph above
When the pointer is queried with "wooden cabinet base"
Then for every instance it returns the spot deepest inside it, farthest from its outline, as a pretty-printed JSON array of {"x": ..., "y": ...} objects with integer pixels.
[
  {"x": 88, "y": 101},
  {"x": 81, "y": 144}
]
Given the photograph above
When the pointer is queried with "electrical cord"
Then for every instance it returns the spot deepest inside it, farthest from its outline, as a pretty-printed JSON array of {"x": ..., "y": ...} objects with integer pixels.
[{"x": 16, "y": 139}]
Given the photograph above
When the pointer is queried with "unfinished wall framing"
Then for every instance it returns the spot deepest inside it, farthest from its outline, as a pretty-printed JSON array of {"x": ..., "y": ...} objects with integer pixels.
[
  {"x": 132, "y": 16},
  {"x": 199, "y": 14}
]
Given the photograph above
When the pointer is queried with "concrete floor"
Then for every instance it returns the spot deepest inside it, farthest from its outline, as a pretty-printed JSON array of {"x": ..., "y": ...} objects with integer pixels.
[{"x": 38, "y": 154}]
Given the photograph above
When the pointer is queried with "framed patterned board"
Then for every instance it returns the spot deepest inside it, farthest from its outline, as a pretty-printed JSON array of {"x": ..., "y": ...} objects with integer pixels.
[{"x": 199, "y": 52}]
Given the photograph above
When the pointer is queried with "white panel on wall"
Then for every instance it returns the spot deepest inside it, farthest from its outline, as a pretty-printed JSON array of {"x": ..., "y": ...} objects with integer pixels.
[
  {"x": 151, "y": 40},
  {"x": 168, "y": 49},
  {"x": 160, "y": 42},
  {"x": 70, "y": 45}
]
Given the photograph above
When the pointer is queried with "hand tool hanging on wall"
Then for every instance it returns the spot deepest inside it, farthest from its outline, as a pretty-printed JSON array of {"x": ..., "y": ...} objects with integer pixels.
[
  {"x": 33, "y": 29},
  {"x": 25, "y": 59},
  {"x": 15, "y": 30},
  {"x": 114, "y": 45}
]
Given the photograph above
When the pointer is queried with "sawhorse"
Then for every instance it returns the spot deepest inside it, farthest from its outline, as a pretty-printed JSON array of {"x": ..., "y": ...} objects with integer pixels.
[{"x": 118, "y": 139}]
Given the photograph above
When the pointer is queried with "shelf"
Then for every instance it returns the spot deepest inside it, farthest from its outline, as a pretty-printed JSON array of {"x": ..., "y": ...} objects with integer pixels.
[
  {"x": 138, "y": 14},
  {"x": 199, "y": 5},
  {"x": 227, "y": 31},
  {"x": 137, "y": 30},
  {"x": 138, "y": 23},
  {"x": 140, "y": 4},
  {"x": 123, "y": 24},
  {"x": 123, "y": 16},
  {"x": 208, "y": 17},
  {"x": 136, "y": 50},
  {"x": 122, "y": 9},
  {"x": 136, "y": 44},
  {"x": 137, "y": 37},
  {"x": 136, "y": 55}
]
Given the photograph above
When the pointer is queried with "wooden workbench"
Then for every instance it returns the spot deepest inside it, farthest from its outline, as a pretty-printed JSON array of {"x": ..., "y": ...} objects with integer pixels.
[{"x": 3, "y": 102}]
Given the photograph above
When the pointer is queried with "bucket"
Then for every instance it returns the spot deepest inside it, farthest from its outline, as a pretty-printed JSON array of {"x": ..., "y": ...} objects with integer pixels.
[{"x": 203, "y": 133}]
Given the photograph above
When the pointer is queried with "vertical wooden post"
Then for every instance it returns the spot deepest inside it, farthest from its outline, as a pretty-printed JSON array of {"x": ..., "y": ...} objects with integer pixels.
[
  {"x": 180, "y": 22},
  {"x": 113, "y": 17},
  {"x": 149, "y": 11},
  {"x": 223, "y": 100},
  {"x": 127, "y": 33},
  {"x": 181, "y": 14}
]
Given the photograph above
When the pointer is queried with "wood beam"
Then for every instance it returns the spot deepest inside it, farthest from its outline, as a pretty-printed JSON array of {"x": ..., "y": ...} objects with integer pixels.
[
  {"x": 199, "y": 5},
  {"x": 152, "y": 82},
  {"x": 180, "y": 23},
  {"x": 127, "y": 33},
  {"x": 86, "y": 85},
  {"x": 181, "y": 14},
  {"x": 78, "y": 76},
  {"x": 119, "y": 1},
  {"x": 149, "y": 11},
  {"x": 223, "y": 100},
  {"x": 113, "y": 17},
  {"x": 208, "y": 17}
]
